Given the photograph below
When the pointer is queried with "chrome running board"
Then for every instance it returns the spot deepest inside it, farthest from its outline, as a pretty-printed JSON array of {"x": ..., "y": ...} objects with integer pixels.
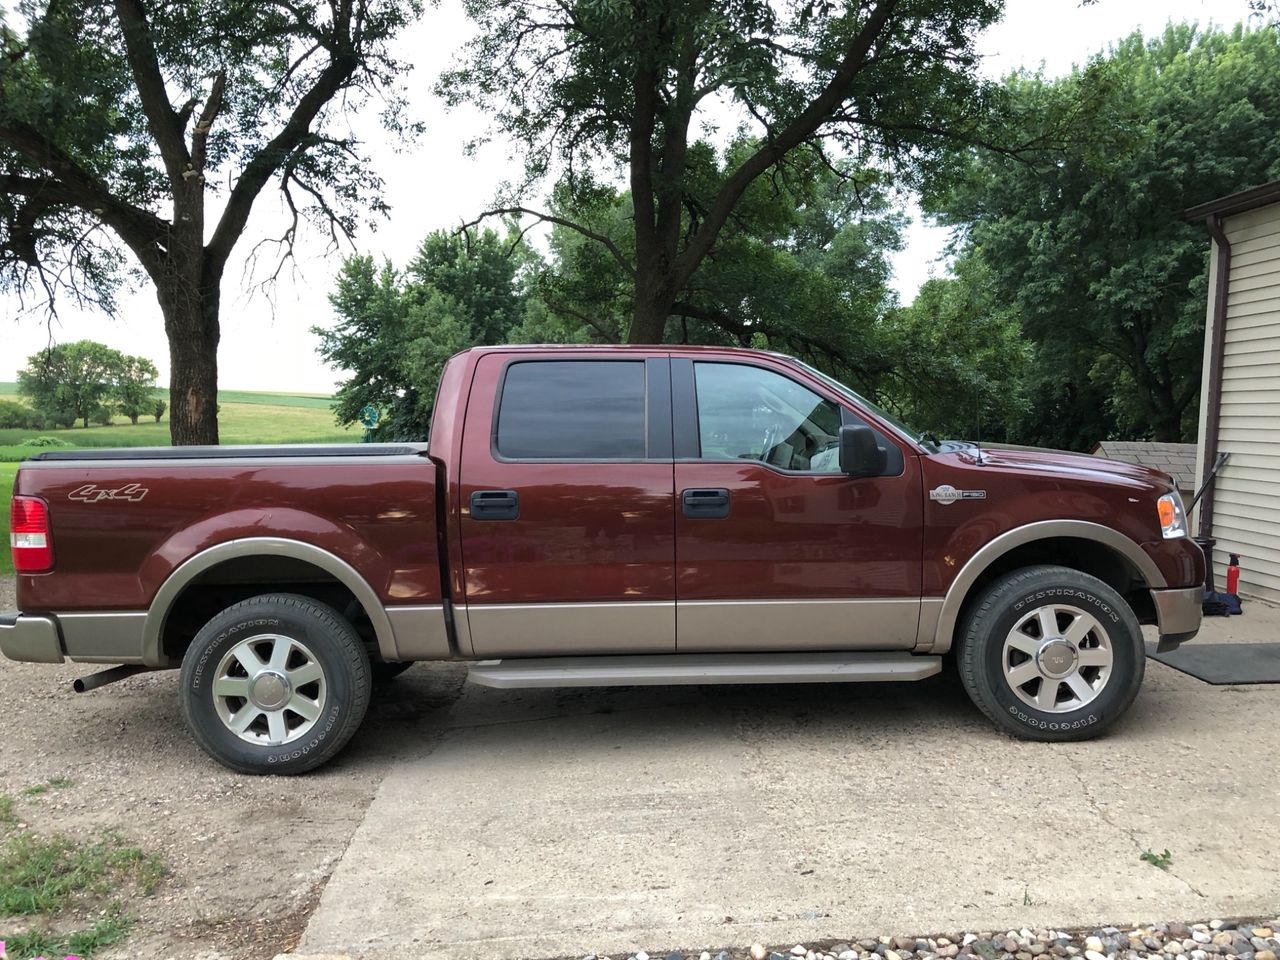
[{"x": 693, "y": 668}]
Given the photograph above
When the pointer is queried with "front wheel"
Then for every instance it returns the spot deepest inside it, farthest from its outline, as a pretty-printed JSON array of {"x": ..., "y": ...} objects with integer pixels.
[
  {"x": 1050, "y": 653},
  {"x": 275, "y": 684}
]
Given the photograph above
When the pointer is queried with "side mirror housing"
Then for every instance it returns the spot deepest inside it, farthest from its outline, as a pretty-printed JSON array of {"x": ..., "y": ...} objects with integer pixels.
[{"x": 860, "y": 454}]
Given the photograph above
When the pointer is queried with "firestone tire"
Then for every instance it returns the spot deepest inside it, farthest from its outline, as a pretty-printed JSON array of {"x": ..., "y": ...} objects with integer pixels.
[
  {"x": 275, "y": 685},
  {"x": 1051, "y": 654}
]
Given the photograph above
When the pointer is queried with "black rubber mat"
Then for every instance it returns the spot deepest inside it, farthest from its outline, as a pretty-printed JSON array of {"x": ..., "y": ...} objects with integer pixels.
[{"x": 1224, "y": 663}]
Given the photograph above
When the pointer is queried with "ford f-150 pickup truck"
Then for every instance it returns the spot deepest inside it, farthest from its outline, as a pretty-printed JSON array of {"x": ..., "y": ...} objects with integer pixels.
[{"x": 602, "y": 516}]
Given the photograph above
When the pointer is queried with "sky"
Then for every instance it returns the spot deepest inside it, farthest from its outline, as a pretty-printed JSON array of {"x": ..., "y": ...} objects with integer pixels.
[{"x": 266, "y": 339}]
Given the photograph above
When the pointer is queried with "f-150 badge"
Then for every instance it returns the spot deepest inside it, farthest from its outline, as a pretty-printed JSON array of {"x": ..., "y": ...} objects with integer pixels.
[
  {"x": 949, "y": 494},
  {"x": 90, "y": 494}
]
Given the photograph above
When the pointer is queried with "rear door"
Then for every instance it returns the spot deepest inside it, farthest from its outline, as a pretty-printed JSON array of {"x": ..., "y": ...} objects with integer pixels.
[
  {"x": 567, "y": 505},
  {"x": 776, "y": 549}
]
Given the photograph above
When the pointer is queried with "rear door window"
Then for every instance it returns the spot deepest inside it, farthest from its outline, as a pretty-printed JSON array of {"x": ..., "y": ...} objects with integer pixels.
[{"x": 572, "y": 410}]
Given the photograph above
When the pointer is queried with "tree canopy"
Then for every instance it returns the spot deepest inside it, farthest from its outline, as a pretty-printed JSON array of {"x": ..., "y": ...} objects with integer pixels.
[
  {"x": 1089, "y": 248},
  {"x": 395, "y": 330},
  {"x": 592, "y": 87},
  {"x": 154, "y": 127}
]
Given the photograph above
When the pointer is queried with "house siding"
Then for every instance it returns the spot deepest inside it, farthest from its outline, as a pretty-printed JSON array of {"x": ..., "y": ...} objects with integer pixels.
[{"x": 1246, "y": 502}]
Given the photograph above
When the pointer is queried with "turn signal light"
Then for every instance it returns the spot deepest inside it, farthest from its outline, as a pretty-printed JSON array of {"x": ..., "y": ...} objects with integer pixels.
[
  {"x": 1173, "y": 519},
  {"x": 29, "y": 536}
]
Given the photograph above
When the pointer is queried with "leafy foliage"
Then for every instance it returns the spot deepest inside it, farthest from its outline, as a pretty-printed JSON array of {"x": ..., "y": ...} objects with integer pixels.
[
  {"x": 86, "y": 380},
  {"x": 119, "y": 121},
  {"x": 1089, "y": 248},
  {"x": 395, "y": 331},
  {"x": 590, "y": 87}
]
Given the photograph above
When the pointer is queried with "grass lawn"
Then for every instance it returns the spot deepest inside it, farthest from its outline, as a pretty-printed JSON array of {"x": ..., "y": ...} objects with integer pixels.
[
  {"x": 7, "y": 470},
  {"x": 244, "y": 418}
]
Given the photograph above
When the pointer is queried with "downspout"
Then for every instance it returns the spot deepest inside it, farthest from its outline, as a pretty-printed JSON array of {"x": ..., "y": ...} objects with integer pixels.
[{"x": 1218, "y": 332}]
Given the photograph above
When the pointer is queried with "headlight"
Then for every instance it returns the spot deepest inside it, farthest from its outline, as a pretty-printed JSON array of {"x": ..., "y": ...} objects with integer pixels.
[{"x": 1173, "y": 519}]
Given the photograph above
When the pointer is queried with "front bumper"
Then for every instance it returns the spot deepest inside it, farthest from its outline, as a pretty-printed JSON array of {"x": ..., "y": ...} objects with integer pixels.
[
  {"x": 30, "y": 639},
  {"x": 1178, "y": 615}
]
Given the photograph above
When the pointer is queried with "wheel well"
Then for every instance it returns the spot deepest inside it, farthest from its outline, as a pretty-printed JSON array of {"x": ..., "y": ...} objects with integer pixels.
[
  {"x": 1087, "y": 556},
  {"x": 238, "y": 579}
]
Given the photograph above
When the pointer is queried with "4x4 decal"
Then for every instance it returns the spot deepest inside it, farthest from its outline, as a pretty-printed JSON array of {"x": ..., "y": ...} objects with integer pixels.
[{"x": 91, "y": 494}]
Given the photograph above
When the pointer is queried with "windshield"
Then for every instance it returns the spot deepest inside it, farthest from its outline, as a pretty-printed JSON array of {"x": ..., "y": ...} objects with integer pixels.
[{"x": 856, "y": 398}]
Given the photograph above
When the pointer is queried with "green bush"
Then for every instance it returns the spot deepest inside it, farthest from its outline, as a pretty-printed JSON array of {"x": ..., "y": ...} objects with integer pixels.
[
  {"x": 18, "y": 416},
  {"x": 45, "y": 442}
]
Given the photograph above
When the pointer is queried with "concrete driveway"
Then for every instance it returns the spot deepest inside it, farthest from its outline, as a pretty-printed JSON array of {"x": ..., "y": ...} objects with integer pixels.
[{"x": 548, "y": 823}]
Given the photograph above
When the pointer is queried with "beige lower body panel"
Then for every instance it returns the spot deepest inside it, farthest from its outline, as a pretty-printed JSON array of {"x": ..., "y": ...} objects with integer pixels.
[
  {"x": 106, "y": 637},
  {"x": 420, "y": 632},
  {"x": 559, "y": 629},
  {"x": 744, "y": 625}
]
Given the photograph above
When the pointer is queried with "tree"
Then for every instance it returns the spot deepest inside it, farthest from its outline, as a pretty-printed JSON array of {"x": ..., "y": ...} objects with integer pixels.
[
  {"x": 801, "y": 267},
  {"x": 590, "y": 85},
  {"x": 1089, "y": 248},
  {"x": 395, "y": 331},
  {"x": 134, "y": 388},
  {"x": 158, "y": 410},
  {"x": 119, "y": 122},
  {"x": 70, "y": 381}
]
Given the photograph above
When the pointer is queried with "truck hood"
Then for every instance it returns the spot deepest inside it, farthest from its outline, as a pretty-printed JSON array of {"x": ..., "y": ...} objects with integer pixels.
[{"x": 1077, "y": 466}]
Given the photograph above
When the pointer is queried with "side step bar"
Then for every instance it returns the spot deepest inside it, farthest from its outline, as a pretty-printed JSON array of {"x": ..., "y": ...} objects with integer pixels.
[{"x": 694, "y": 668}]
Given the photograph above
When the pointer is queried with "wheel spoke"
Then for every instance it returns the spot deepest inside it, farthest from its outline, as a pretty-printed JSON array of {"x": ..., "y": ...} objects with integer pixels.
[
  {"x": 303, "y": 707},
  {"x": 1080, "y": 687},
  {"x": 276, "y": 727},
  {"x": 281, "y": 647},
  {"x": 1079, "y": 629},
  {"x": 1023, "y": 673},
  {"x": 231, "y": 687},
  {"x": 1048, "y": 618},
  {"x": 1048, "y": 694},
  {"x": 249, "y": 659},
  {"x": 309, "y": 672},
  {"x": 241, "y": 719},
  {"x": 1095, "y": 657},
  {"x": 1021, "y": 642}
]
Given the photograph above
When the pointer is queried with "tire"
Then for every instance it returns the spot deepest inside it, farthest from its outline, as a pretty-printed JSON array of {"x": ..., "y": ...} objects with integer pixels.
[
  {"x": 1068, "y": 684},
  {"x": 384, "y": 671},
  {"x": 304, "y": 699}
]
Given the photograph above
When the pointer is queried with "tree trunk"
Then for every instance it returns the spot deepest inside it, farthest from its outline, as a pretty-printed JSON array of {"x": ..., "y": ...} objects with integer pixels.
[
  {"x": 191, "y": 323},
  {"x": 652, "y": 306}
]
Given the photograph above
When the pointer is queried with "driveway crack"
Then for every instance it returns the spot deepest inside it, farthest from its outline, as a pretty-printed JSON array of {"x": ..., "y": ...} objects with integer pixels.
[{"x": 1128, "y": 832}]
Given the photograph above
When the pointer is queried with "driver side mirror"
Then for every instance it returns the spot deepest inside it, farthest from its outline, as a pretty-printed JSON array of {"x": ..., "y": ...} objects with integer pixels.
[{"x": 860, "y": 454}]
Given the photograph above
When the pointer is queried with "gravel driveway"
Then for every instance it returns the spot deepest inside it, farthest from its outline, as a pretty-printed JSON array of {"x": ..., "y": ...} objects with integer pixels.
[{"x": 248, "y": 855}]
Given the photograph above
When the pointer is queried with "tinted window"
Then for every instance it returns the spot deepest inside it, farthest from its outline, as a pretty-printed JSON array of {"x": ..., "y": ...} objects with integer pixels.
[
  {"x": 573, "y": 410},
  {"x": 747, "y": 413}
]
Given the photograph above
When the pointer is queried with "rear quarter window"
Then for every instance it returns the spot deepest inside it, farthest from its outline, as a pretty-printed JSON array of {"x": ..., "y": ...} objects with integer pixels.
[{"x": 572, "y": 410}]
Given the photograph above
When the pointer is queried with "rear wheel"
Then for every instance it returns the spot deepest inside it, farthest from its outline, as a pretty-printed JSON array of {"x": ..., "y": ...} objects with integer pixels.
[
  {"x": 275, "y": 684},
  {"x": 1050, "y": 653}
]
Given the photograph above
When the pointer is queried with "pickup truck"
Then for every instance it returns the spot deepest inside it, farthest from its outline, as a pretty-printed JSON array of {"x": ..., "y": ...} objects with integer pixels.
[{"x": 602, "y": 516}]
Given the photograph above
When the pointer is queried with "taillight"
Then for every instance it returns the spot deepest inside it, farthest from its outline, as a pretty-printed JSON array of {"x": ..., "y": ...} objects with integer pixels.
[{"x": 29, "y": 535}]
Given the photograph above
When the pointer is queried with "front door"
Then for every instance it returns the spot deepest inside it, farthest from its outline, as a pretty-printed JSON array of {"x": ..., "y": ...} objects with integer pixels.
[
  {"x": 776, "y": 549},
  {"x": 567, "y": 504}
]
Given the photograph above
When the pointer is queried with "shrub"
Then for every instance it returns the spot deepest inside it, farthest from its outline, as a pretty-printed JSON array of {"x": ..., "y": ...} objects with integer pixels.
[
  {"x": 18, "y": 416},
  {"x": 44, "y": 442}
]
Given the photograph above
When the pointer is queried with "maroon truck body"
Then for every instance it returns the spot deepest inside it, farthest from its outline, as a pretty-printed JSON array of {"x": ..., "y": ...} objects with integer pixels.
[{"x": 677, "y": 539}]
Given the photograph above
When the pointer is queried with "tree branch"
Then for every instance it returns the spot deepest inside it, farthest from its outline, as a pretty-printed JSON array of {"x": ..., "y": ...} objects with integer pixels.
[
  {"x": 599, "y": 238},
  {"x": 163, "y": 121},
  {"x": 803, "y": 126}
]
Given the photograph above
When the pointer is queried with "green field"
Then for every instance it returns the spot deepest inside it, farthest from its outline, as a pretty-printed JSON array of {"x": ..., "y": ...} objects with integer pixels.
[{"x": 245, "y": 417}]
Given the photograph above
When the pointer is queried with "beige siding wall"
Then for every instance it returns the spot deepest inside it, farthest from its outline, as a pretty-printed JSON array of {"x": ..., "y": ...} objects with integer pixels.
[{"x": 1246, "y": 503}]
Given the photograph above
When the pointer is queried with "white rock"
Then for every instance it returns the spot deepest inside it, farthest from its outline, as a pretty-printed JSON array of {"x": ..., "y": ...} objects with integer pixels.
[
  {"x": 704, "y": 956},
  {"x": 848, "y": 955},
  {"x": 1200, "y": 936},
  {"x": 1094, "y": 955},
  {"x": 642, "y": 956},
  {"x": 758, "y": 952},
  {"x": 1215, "y": 924},
  {"x": 1093, "y": 944},
  {"x": 798, "y": 950},
  {"x": 969, "y": 938}
]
